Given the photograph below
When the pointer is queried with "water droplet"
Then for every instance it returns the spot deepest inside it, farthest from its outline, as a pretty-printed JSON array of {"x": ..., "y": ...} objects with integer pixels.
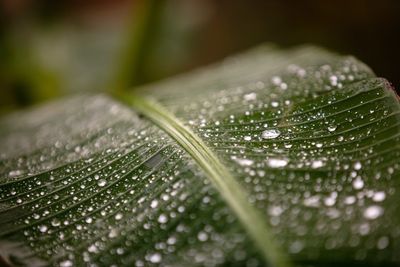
[
  {"x": 332, "y": 128},
  {"x": 155, "y": 258},
  {"x": 120, "y": 251},
  {"x": 357, "y": 165},
  {"x": 296, "y": 247},
  {"x": 330, "y": 201},
  {"x": 249, "y": 97},
  {"x": 350, "y": 200},
  {"x": 275, "y": 210},
  {"x": 373, "y": 212},
  {"x": 379, "y": 196},
  {"x": 277, "y": 162},
  {"x": 270, "y": 134},
  {"x": 383, "y": 242},
  {"x": 171, "y": 240},
  {"x": 66, "y": 263},
  {"x": 43, "y": 228},
  {"x": 276, "y": 80},
  {"x": 15, "y": 173},
  {"x": 358, "y": 183},
  {"x": 101, "y": 182},
  {"x": 288, "y": 145},
  {"x": 317, "y": 164},
  {"x": 162, "y": 218},
  {"x": 93, "y": 248},
  {"x": 113, "y": 233},
  {"x": 247, "y": 138},
  {"x": 118, "y": 216},
  {"x": 364, "y": 229},
  {"x": 243, "y": 162},
  {"x": 312, "y": 201},
  {"x": 334, "y": 80},
  {"x": 202, "y": 236},
  {"x": 154, "y": 203},
  {"x": 55, "y": 222}
]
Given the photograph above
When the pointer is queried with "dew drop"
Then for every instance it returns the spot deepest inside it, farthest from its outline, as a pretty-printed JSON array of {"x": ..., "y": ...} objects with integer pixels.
[
  {"x": 379, "y": 196},
  {"x": 118, "y": 216},
  {"x": 66, "y": 263},
  {"x": 358, "y": 183},
  {"x": 202, "y": 236},
  {"x": 249, "y": 97},
  {"x": 317, "y": 164},
  {"x": 275, "y": 210},
  {"x": 154, "y": 204},
  {"x": 162, "y": 218},
  {"x": 43, "y": 228},
  {"x": 373, "y": 212},
  {"x": 277, "y": 162},
  {"x": 101, "y": 182},
  {"x": 270, "y": 134},
  {"x": 357, "y": 165},
  {"x": 120, "y": 251},
  {"x": 332, "y": 128},
  {"x": 288, "y": 145},
  {"x": 155, "y": 258},
  {"x": 349, "y": 200},
  {"x": 383, "y": 242},
  {"x": 93, "y": 248},
  {"x": 113, "y": 233},
  {"x": 55, "y": 222},
  {"x": 312, "y": 201},
  {"x": 276, "y": 80},
  {"x": 15, "y": 173},
  {"x": 247, "y": 138},
  {"x": 364, "y": 229},
  {"x": 171, "y": 240},
  {"x": 296, "y": 247},
  {"x": 243, "y": 162},
  {"x": 334, "y": 80}
]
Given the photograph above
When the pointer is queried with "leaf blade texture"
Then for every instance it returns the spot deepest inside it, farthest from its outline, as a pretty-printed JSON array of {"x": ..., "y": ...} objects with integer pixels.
[{"x": 310, "y": 137}]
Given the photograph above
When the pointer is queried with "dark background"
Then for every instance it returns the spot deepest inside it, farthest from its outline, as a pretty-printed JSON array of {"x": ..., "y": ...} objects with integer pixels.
[{"x": 53, "y": 48}]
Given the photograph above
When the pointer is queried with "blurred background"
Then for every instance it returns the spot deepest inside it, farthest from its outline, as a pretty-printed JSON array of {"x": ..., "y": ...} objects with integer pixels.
[{"x": 51, "y": 48}]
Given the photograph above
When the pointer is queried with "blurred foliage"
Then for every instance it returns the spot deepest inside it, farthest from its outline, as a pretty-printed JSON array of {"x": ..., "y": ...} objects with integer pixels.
[{"x": 52, "y": 48}]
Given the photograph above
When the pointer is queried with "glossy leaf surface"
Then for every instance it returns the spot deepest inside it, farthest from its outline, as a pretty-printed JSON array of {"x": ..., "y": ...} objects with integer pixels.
[{"x": 269, "y": 158}]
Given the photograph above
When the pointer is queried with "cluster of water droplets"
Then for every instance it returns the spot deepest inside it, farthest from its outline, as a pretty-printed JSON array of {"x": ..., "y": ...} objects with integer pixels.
[
  {"x": 314, "y": 145},
  {"x": 311, "y": 143},
  {"x": 134, "y": 199}
]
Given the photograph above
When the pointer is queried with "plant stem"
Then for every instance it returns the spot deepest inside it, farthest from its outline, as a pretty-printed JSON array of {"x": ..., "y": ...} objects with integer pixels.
[{"x": 141, "y": 35}]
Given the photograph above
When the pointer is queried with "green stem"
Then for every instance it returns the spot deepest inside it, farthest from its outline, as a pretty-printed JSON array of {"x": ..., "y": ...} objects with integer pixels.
[{"x": 141, "y": 35}]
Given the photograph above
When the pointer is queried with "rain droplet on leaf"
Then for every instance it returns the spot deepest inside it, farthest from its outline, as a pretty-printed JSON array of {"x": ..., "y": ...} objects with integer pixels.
[
  {"x": 373, "y": 212},
  {"x": 270, "y": 134}
]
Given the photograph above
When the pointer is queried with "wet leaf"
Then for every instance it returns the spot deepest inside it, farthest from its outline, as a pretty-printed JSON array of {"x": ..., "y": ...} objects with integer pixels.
[{"x": 272, "y": 158}]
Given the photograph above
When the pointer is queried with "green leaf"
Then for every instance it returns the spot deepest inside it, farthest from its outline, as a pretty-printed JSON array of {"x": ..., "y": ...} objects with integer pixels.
[{"x": 271, "y": 158}]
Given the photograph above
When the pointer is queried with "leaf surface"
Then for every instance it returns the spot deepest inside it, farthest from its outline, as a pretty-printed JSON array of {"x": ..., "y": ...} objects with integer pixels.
[{"x": 269, "y": 157}]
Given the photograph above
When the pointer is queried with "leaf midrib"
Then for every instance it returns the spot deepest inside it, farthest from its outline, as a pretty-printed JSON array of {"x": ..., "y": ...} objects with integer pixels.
[{"x": 230, "y": 190}]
